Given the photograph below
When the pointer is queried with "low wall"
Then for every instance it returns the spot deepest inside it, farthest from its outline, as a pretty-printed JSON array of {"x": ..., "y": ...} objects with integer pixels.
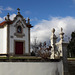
[{"x": 31, "y": 68}]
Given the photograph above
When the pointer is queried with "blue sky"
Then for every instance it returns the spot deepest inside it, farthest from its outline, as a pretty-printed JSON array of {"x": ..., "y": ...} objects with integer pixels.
[
  {"x": 39, "y": 9},
  {"x": 44, "y": 15}
]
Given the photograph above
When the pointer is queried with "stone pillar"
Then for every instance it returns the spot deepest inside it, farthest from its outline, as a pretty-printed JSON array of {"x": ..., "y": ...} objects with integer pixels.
[
  {"x": 63, "y": 52},
  {"x": 53, "y": 42},
  {"x": 29, "y": 39},
  {"x": 65, "y": 62}
]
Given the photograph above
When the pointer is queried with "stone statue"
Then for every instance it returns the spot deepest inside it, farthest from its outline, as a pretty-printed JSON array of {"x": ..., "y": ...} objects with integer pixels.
[{"x": 53, "y": 30}]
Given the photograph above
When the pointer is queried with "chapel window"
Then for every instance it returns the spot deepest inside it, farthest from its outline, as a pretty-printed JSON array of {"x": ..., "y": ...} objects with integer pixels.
[{"x": 19, "y": 29}]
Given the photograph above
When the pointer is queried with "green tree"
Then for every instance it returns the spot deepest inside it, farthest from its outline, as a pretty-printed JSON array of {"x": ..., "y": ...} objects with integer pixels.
[{"x": 71, "y": 46}]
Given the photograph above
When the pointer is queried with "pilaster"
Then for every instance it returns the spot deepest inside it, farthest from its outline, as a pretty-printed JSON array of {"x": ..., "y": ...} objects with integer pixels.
[{"x": 63, "y": 52}]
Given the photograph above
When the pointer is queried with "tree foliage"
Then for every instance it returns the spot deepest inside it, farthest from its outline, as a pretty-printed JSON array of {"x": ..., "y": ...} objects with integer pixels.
[{"x": 71, "y": 46}]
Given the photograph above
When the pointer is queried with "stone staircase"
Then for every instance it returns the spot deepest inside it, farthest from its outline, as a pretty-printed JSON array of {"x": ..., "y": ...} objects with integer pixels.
[{"x": 71, "y": 67}]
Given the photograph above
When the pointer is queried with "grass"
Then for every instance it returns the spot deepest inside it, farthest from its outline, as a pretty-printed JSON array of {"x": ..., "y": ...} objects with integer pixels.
[
  {"x": 18, "y": 57},
  {"x": 29, "y": 57},
  {"x": 3, "y": 57},
  {"x": 25, "y": 57},
  {"x": 71, "y": 59}
]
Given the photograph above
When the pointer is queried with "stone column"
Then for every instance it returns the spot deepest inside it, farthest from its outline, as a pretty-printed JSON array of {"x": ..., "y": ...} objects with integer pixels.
[{"x": 63, "y": 53}]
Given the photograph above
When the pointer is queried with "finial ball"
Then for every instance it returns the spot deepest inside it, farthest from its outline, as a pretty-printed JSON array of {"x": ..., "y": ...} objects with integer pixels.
[{"x": 18, "y": 9}]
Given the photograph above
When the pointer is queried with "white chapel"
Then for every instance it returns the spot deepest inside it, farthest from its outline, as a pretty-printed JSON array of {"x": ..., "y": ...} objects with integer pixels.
[{"x": 15, "y": 35}]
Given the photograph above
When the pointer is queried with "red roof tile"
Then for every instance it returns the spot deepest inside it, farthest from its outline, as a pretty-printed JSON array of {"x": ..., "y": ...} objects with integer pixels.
[
  {"x": 1, "y": 24},
  {"x": 6, "y": 22},
  {"x": 29, "y": 26},
  {"x": 10, "y": 22}
]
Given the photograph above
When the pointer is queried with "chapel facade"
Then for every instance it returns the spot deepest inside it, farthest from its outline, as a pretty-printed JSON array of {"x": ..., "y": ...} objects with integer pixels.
[{"x": 15, "y": 35}]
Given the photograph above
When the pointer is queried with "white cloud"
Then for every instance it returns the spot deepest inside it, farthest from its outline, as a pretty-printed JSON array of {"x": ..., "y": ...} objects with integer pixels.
[
  {"x": 73, "y": 1},
  {"x": 43, "y": 29},
  {"x": 27, "y": 12},
  {"x": 9, "y": 9},
  {"x": 34, "y": 19},
  {"x": 0, "y": 11},
  {"x": 11, "y": 17},
  {"x": 1, "y": 19},
  {"x": 5, "y": 9},
  {"x": 1, "y": 7}
]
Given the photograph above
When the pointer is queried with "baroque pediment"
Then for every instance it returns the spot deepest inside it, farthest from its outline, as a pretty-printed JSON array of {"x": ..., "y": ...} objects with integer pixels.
[{"x": 19, "y": 22}]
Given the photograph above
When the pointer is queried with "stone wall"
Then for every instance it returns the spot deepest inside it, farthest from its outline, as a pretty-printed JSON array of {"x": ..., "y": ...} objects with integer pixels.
[{"x": 31, "y": 68}]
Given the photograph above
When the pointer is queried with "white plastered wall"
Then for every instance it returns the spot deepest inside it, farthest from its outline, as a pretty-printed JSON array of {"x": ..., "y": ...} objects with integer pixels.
[
  {"x": 25, "y": 38},
  {"x": 31, "y": 68},
  {"x": 3, "y": 40}
]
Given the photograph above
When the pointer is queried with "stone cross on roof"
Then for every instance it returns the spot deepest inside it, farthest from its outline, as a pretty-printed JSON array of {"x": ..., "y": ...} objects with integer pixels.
[{"x": 18, "y": 11}]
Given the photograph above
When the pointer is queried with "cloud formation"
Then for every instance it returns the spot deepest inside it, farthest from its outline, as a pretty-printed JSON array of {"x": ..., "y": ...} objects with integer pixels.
[
  {"x": 5, "y": 9},
  {"x": 27, "y": 12},
  {"x": 43, "y": 29},
  {"x": 73, "y": 1},
  {"x": 9, "y": 9},
  {"x": 1, "y": 19},
  {"x": 0, "y": 11},
  {"x": 34, "y": 19},
  {"x": 11, "y": 17}
]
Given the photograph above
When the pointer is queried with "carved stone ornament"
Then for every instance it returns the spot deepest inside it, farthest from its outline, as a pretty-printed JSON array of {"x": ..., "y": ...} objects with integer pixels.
[
  {"x": 19, "y": 23},
  {"x": 19, "y": 35}
]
